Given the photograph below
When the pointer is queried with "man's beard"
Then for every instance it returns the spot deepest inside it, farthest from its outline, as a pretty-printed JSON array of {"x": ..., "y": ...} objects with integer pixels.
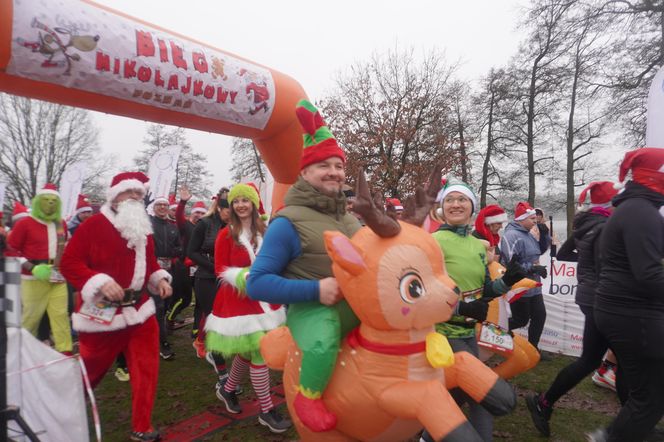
[{"x": 132, "y": 222}]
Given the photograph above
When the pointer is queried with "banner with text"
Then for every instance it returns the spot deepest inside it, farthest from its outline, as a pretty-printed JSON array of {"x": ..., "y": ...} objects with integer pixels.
[
  {"x": 78, "y": 45},
  {"x": 163, "y": 166},
  {"x": 71, "y": 184},
  {"x": 563, "y": 330}
]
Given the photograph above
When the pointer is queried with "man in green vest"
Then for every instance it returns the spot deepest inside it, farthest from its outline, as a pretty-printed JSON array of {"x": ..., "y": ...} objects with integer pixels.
[{"x": 293, "y": 266}]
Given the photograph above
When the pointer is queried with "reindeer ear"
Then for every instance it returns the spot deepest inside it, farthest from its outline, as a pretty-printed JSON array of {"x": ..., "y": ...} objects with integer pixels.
[{"x": 344, "y": 253}]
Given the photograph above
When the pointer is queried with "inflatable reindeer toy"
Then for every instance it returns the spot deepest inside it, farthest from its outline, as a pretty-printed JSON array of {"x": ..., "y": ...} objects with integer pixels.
[{"x": 393, "y": 373}]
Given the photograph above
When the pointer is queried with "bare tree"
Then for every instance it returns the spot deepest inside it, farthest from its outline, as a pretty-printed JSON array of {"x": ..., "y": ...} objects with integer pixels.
[
  {"x": 38, "y": 140},
  {"x": 392, "y": 114},
  {"x": 191, "y": 170},
  {"x": 247, "y": 162}
]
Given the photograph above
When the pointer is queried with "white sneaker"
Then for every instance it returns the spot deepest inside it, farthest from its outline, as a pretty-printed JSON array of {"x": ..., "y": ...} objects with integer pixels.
[{"x": 603, "y": 381}]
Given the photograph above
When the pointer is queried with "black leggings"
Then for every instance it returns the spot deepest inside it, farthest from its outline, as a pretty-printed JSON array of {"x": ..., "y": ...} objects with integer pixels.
[
  {"x": 205, "y": 290},
  {"x": 637, "y": 343},
  {"x": 594, "y": 348},
  {"x": 529, "y": 309}
]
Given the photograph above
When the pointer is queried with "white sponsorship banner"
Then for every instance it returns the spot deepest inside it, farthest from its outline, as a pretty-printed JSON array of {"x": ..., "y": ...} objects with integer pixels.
[
  {"x": 161, "y": 172},
  {"x": 3, "y": 190},
  {"x": 563, "y": 330},
  {"x": 71, "y": 184},
  {"x": 77, "y": 45},
  {"x": 654, "y": 126}
]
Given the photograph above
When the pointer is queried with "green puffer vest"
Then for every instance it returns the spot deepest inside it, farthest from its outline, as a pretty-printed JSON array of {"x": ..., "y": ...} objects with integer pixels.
[{"x": 312, "y": 213}]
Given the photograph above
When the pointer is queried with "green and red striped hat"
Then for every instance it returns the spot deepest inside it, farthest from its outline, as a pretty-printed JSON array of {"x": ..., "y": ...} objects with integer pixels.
[{"x": 319, "y": 143}]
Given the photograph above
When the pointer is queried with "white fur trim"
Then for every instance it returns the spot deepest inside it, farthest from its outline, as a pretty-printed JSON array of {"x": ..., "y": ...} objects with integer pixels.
[
  {"x": 246, "y": 324},
  {"x": 525, "y": 215},
  {"x": 160, "y": 199},
  {"x": 52, "y": 240},
  {"x": 20, "y": 216},
  {"x": 246, "y": 243},
  {"x": 198, "y": 209},
  {"x": 128, "y": 316},
  {"x": 156, "y": 277},
  {"x": 501, "y": 218},
  {"x": 116, "y": 190},
  {"x": 90, "y": 290},
  {"x": 229, "y": 276},
  {"x": 48, "y": 192},
  {"x": 84, "y": 209}
]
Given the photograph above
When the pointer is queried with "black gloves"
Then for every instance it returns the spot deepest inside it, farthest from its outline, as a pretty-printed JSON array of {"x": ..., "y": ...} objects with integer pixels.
[
  {"x": 475, "y": 310},
  {"x": 513, "y": 273},
  {"x": 539, "y": 270}
]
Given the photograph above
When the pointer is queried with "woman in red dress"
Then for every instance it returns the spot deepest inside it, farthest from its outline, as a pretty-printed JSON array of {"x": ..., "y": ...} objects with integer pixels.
[{"x": 237, "y": 322}]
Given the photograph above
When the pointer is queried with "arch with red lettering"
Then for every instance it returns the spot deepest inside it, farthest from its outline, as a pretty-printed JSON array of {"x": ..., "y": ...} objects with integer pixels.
[{"x": 88, "y": 55}]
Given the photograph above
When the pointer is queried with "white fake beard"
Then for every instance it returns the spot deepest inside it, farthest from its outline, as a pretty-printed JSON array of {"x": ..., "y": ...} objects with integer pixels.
[{"x": 132, "y": 222}]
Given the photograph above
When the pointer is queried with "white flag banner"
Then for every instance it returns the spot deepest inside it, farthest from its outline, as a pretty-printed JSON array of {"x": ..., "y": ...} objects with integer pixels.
[
  {"x": 654, "y": 126},
  {"x": 3, "y": 189},
  {"x": 563, "y": 329},
  {"x": 162, "y": 170},
  {"x": 71, "y": 184}
]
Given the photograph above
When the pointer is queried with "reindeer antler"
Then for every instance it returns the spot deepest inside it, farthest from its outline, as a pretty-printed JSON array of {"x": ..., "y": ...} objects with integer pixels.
[
  {"x": 417, "y": 207},
  {"x": 381, "y": 224}
]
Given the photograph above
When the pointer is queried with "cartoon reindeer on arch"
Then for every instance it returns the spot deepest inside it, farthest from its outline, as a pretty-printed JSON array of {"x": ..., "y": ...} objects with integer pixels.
[{"x": 393, "y": 373}]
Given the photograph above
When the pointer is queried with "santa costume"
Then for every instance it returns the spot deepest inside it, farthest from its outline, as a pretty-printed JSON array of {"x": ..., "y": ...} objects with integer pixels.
[
  {"x": 40, "y": 241},
  {"x": 100, "y": 252},
  {"x": 238, "y": 322}
]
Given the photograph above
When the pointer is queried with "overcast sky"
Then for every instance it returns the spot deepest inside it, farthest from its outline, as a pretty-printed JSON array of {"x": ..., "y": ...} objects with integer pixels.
[{"x": 311, "y": 42}]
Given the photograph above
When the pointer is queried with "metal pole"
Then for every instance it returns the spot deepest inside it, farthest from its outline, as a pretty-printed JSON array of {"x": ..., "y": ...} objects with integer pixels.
[{"x": 551, "y": 253}]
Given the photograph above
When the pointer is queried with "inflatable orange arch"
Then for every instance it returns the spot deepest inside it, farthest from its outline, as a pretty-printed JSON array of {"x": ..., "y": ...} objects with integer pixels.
[{"x": 88, "y": 55}]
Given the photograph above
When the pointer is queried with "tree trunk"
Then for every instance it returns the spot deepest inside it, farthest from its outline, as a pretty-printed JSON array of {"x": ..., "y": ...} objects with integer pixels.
[
  {"x": 530, "y": 137},
  {"x": 570, "y": 153},
  {"x": 462, "y": 150},
  {"x": 487, "y": 156}
]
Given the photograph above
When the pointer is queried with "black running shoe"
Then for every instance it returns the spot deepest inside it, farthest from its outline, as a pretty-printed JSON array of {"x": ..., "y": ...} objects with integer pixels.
[
  {"x": 229, "y": 399},
  {"x": 539, "y": 414},
  {"x": 166, "y": 352},
  {"x": 146, "y": 436},
  {"x": 274, "y": 421}
]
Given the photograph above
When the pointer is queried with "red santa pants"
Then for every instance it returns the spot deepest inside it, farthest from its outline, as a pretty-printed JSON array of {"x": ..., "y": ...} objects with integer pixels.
[{"x": 140, "y": 345}]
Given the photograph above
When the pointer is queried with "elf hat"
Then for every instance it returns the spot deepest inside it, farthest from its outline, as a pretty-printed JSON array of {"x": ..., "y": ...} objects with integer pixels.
[
  {"x": 600, "y": 193},
  {"x": 319, "y": 143},
  {"x": 20, "y": 211},
  {"x": 49, "y": 189},
  {"x": 172, "y": 201},
  {"x": 261, "y": 209},
  {"x": 455, "y": 185},
  {"x": 83, "y": 204},
  {"x": 127, "y": 181},
  {"x": 245, "y": 191},
  {"x": 394, "y": 202},
  {"x": 522, "y": 211},
  {"x": 199, "y": 206}
]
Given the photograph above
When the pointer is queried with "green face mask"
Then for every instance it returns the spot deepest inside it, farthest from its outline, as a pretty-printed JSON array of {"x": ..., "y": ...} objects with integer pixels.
[{"x": 46, "y": 207}]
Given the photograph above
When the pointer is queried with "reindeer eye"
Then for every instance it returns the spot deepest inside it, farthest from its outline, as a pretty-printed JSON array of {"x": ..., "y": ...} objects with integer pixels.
[{"x": 411, "y": 287}]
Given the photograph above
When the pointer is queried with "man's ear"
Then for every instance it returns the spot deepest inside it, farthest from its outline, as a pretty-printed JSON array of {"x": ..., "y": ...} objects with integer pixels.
[{"x": 344, "y": 253}]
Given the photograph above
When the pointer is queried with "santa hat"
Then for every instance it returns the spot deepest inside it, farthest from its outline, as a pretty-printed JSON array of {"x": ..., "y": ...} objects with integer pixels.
[
  {"x": 522, "y": 211},
  {"x": 199, "y": 206},
  {"x": 20, "y": 211},
  {"x": 49, "y": 189},
  {"x": 83, "y": 204},
  {"x": 600, "y": 193},
  {"x": 127, "y": 181},
  {"x": 455, "y": 185},
  {"x": 172, "y": 201},
  {"x": 161, "y": 200},
  {"x": 319, "y": 143},
  {"x": 491, "y": 214},
  {"x": 395, "y": 203},
  {"x": 647, "y": 166}
]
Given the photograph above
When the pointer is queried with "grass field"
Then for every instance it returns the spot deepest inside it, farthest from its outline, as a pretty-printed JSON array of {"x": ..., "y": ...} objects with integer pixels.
[{"x": 186, "y": 389}]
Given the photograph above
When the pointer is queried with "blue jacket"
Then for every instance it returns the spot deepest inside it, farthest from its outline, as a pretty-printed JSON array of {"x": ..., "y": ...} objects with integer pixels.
[{"x": 518, "y": 241}]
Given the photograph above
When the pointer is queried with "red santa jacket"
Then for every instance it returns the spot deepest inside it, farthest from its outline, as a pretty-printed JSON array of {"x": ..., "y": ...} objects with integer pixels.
[
  {"x": 34, "y": 239},
  {"x": 236, "y": 314},
  {"x": 98, "y": 254}
]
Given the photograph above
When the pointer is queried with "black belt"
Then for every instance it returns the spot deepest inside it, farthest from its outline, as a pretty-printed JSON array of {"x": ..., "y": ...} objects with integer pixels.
[
  {"x": 42, "y": 261},
  {"x": 131, "y": 297}
]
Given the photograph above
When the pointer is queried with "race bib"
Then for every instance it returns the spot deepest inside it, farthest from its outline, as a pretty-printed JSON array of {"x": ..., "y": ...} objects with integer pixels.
[
  {"x": 495, "y": 338},
  {"x": 101, "y": 311},
  {"x": 164, "y": 263},
  {"x": 56, "y": 276}
]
